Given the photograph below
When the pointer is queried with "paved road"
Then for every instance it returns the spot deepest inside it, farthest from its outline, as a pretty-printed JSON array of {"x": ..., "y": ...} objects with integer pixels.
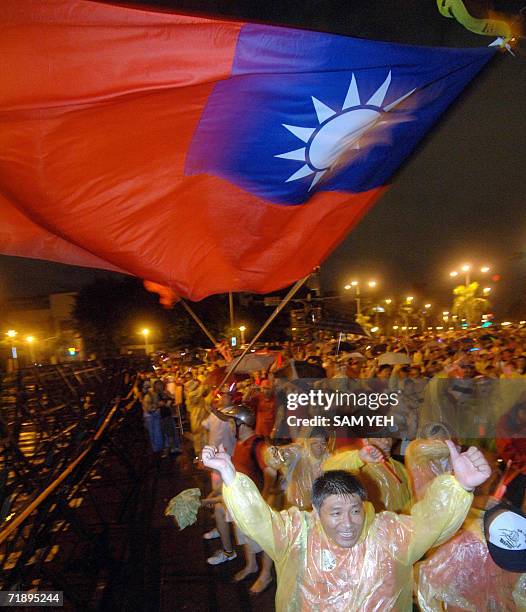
[{"x": 166, "y": 569}]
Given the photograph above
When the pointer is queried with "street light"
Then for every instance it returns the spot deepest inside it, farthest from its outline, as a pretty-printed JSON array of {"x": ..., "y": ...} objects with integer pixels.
[
  {"x": 466, "y": 268},
  {"x": 242, "y": 329},
  {"x": 12, "y": 334},
  {"x": 30, "y": 341},
  {"x": 409, "y": 298},
  {"x": 388, "y": 301},
  {"x": 146, "y": 332},
  {"x": 354, "y": 284},
  {"x": 427, "y": 305}
]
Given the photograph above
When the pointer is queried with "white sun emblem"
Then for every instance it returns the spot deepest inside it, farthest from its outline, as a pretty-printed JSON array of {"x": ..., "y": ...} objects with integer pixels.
[{"x": 328, "y": 145}]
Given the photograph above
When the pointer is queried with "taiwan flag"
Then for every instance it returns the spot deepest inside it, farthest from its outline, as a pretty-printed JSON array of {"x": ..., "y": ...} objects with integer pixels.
[{"x": 205, "y": 155}]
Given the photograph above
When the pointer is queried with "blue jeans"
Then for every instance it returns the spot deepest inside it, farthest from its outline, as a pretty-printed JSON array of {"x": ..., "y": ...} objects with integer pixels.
[
  {"x": 169, "y": 431},
  {"x": 152, "y": 422}
]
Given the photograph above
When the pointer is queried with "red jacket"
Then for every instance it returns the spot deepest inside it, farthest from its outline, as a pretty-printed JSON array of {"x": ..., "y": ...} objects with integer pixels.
[{"x": 511, "y": 440}]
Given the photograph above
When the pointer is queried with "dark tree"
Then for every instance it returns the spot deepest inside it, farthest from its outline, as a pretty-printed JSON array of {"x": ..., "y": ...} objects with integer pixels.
[{"x": 109, "y": 314}]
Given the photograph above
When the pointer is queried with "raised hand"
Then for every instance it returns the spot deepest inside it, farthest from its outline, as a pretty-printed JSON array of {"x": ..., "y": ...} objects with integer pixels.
[
  {"x": 219, "y": 460},
  {"x": 370, "y": 454},
  {"x": 471, "y": 468}
]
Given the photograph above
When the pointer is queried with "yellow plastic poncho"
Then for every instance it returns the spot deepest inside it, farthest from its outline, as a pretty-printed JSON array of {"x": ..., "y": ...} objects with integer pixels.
[
  {"x": 375, "y": 574},
  {"x": 425, "y": 460},
  {"x": 383, "y": 490},
  {"x": 461, "y": 575},
  {"x": 197, "y": 412},
  {"x": 299, "y": 468}
]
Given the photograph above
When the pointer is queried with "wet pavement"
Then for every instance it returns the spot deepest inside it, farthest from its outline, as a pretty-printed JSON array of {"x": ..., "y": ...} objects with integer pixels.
[{"x": 166, "y": 568}]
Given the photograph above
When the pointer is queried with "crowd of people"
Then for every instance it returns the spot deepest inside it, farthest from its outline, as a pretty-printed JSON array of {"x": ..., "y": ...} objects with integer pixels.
[{"x": 356, "y": 519}]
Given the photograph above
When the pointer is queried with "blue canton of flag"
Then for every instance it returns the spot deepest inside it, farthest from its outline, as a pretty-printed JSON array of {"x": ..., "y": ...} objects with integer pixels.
[{"x": 306, "y": 111}]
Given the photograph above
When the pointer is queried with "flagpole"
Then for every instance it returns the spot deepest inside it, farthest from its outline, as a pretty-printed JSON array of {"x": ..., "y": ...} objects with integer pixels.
[
  {"x": 199, "y": 322},
  {"x": 276, "y": 312}
]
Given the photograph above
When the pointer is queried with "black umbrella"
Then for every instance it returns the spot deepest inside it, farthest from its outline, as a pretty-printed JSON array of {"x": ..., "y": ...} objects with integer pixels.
[
  {"x": 300, "y": 369},
  {"x": 346, "y": 347},
  {"x": 378, "y": 349}
]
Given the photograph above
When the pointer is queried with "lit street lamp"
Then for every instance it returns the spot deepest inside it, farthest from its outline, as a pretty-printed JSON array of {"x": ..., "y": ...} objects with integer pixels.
[
  {"x": 356, "y": 286},
  {"x": 146, "y": 332},
  {"x": 470, "y": 293},
  {"x": 466, "y": 268},
  {"x": 12, "y": 334},
  {"x": 30, "y": 342},
  {"x": 242, "y": 329}
]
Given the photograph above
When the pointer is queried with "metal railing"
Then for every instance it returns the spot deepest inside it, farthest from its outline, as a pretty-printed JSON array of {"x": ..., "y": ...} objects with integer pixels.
[{"x": 69, "y": 442}]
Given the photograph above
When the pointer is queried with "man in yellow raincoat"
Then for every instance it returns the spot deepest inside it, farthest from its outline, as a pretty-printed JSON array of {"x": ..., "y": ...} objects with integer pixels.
[
  {"x": 384, "y": 490},
  {"x": 300, "y": 464},
  {"x": 460, "y": 574},
  {"x": 341, "y": 556}
]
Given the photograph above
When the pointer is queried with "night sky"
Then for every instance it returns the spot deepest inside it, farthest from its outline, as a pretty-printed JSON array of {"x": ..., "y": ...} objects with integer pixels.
[{"x": 459, "y": 198}]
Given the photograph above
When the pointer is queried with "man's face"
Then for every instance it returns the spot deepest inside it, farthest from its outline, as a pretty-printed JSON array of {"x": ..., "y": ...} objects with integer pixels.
[
  {"x": 342, "y": 518},
  {"x": 354, "y": 368},
  {"x": 469, "y": 370},
  {"x": 318, "y": 446},
  {"x": 384, "y": 373}
]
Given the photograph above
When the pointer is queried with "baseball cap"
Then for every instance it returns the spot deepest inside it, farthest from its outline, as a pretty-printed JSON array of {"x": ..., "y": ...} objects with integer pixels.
[{"x": 505, "y": 532}]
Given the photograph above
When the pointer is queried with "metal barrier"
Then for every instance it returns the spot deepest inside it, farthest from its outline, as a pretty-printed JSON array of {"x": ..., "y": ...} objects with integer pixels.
[{"x": 70, "y": 447}]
